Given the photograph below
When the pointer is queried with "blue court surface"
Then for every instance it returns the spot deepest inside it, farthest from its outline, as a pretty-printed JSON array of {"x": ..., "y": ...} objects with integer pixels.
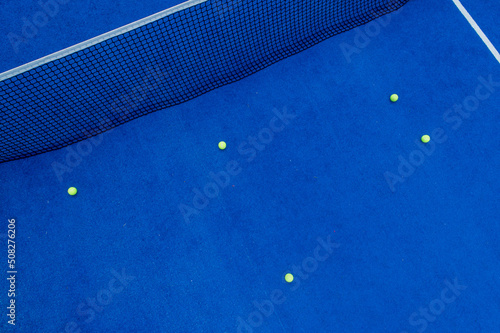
[{"x": 323, "y": 177}]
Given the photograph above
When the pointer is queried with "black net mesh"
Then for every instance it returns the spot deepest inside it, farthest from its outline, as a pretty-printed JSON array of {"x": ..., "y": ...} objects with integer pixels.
[{"x": 163, "y": 63}]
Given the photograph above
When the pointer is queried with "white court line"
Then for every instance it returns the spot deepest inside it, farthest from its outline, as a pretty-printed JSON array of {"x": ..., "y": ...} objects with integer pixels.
[{"x": 478, "y": 29}]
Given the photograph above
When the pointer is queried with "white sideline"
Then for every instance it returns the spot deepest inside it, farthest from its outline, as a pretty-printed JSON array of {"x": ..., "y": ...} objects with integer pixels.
[
  {"x": 478, "y": 29},
  {"x": 98, "y": 39},
  {"x": 184, "y": 5}
]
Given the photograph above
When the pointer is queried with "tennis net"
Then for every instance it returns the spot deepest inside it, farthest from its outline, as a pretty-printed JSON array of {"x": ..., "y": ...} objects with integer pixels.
[{"x": 158, "y": 62}]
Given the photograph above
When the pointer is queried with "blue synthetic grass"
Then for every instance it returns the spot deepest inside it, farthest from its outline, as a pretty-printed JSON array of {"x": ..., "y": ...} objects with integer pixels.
[
  {"x": 28, "y": 34},
  {"x": 321, "y": 176}
]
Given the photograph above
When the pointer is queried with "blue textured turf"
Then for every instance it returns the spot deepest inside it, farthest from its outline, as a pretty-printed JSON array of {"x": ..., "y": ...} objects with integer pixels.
[
  {"x": 321, "y": 176},
  {"x": 32, "y": 29}
]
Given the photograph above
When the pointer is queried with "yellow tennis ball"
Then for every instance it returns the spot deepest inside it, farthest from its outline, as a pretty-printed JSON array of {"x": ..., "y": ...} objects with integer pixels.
[
  {"x": 288, "y": 277},
  {"x": 222, "y": 145},
  {"x": 394, "y": 98},
  {"x": 72, "y": 190},
  {"x": 425, "y": 138}
]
